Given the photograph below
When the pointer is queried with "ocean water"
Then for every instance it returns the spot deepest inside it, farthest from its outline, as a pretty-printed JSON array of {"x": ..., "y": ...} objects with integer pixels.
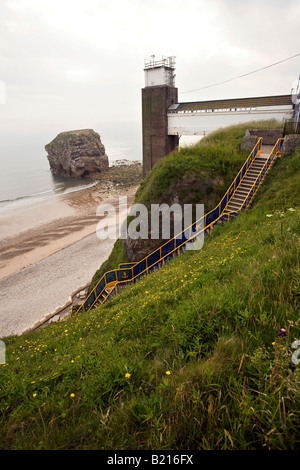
[{"x": 25, "y": 175}]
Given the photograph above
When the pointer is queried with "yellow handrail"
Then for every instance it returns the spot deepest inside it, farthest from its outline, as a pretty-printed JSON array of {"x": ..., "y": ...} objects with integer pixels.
[
  {"x": 276, "y": 150},
  {"x": 248, "y": 163},
  {"x": 228, "y": 196}
]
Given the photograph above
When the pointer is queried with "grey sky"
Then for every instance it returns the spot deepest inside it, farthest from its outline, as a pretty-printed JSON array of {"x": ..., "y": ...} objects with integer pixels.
[{"x": 79, "y": 63}]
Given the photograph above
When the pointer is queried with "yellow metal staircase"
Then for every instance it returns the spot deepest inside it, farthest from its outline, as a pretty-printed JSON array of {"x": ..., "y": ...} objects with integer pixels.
[{"x": 237, "y": 199}]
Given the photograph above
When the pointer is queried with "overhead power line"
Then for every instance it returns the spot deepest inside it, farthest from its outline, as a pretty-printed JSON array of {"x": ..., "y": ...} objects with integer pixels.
[{"x": 244, "y": 75}]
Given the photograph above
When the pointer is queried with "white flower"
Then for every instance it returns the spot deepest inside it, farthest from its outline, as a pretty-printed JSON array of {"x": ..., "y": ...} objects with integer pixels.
[
  {"x": 269, "y": 215},
  {"x": 291, "y": 209}
]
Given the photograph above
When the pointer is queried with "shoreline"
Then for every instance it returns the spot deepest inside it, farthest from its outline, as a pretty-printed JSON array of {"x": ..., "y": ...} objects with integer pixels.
[
  {"x": 40, "y": 240},
  {"x": 31, "y": 233},
  {"x": 56, "y": 255}
]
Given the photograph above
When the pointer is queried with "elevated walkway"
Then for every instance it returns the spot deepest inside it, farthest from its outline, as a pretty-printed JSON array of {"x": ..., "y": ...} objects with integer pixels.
[
  {"x": 237, "y": 199},
  {"x": 237, "y": 104},
  {"x": 203, "y": 117}
]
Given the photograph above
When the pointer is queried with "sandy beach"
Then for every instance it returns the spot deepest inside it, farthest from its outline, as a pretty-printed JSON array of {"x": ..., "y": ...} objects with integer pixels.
[{"x": 49, "y": 250}]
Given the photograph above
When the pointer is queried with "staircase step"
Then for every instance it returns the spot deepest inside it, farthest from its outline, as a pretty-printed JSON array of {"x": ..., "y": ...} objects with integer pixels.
[
  {"x": 253, "y": 176},
  {"x": 248, "y": 178},
  {"x": 235, "y": 201},
  {"x": 242, "y": 191},
  {"x": 232, "y": 209},
  {"x": 246, "y": 190},
  {"x": 241, "y": 199},
  {"x": 260, "y": 160},
  {"x": 255, "y": 169},
  {"x": 233, "y": 206},
  {"x": 238, "y": 199},
  {"x": 256, "y": 165}
]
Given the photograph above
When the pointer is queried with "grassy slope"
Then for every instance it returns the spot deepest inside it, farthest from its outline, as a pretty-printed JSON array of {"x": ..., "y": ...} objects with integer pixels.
[
  {"x": 208, "y": 168},
  {"x": 209, "y": 318}
]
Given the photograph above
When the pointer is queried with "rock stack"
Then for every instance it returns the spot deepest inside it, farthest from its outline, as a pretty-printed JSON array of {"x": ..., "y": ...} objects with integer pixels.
[{"x": 77, "y": 154}]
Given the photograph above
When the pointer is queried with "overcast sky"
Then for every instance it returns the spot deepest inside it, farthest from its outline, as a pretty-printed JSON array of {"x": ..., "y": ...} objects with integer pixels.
[{"x": 70, "y": 64}]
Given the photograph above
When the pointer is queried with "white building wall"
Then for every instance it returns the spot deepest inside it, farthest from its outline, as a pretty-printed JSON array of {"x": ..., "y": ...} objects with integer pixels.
[{"x": 202, "y": 123}]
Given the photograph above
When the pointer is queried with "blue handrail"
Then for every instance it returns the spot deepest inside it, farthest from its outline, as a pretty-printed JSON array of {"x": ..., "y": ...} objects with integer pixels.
[{"x": 129, "y": 272}]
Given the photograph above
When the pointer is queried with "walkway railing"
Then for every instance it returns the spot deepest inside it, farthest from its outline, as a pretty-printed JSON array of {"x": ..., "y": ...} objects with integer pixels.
[
  {"x": 277, "y": 149},
  {"x": 130, "y": 272}
]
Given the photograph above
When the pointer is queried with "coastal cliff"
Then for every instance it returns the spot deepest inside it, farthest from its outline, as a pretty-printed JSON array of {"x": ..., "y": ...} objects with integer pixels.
[{"x": 76, "y": 154}]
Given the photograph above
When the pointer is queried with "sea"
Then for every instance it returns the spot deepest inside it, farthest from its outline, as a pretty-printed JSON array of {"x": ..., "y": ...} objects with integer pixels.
[{"x": 25, "y": 175}]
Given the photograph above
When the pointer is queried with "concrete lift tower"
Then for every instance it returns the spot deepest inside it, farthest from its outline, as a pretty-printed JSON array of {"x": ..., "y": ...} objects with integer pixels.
[{"x": 158, "y": 95}]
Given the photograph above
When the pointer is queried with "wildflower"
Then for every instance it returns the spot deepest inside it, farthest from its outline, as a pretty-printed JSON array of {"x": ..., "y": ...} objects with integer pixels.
[
  {"x": 291, "y": 209},
  {"x": 72, "y": 395},
  {"x": 282, "y": 332},
  {"x": 246, "y": 388},
  {"x": 34, "y": 395},
  {"x": 168, "y": 372},
  {"x": 127, "y": 375},
  {"x": 273, "y": 344},
  {"x": 269, "y": 215}
]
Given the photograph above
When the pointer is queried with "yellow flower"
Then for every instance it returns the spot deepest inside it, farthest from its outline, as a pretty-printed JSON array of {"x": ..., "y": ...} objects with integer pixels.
[
  {"x": 168, "y": 372},
  {"x": 127, "y": 375},
  {"x": 273, "y": 344},
  {"x": 34, "y": 395},
  {"x": 72, "y": 395}
]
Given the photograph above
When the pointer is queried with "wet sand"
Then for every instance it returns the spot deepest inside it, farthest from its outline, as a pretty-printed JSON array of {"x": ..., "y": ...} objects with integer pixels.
[
  {"x": 49, "y": 250},
  {"x": 33, "y": 233}
]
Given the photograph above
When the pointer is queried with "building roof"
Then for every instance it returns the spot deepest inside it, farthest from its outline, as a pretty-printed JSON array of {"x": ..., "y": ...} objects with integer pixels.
[{"x": 281, "y": 100}]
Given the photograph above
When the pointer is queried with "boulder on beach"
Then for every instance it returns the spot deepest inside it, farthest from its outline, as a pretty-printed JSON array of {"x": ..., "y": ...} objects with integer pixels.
[{"x": 77, "y": 154}]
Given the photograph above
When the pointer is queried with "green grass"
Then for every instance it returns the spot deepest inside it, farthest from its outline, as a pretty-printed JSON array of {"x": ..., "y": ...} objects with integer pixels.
[
  {"x": 210, "y": 318},
  {"x": 199, "y": 174},
  {"x": 210, "y": 165}
]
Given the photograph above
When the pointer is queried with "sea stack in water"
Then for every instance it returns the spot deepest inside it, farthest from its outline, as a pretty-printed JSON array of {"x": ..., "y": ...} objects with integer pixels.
[{"x": 77, "y": 154}]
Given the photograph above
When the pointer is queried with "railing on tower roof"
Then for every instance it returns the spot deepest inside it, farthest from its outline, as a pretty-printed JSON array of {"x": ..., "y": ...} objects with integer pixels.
[{"x": 160, "y": 62}]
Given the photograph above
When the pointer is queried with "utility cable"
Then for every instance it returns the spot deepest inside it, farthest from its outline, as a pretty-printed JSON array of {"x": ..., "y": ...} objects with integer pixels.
[{"x": 241, "y": 76}]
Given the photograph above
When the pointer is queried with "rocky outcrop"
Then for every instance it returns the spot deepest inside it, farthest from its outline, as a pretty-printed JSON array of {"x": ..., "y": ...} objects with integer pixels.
[
  {"x": 290, "y": 143},
  {"x": 76, "y": 154}
]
